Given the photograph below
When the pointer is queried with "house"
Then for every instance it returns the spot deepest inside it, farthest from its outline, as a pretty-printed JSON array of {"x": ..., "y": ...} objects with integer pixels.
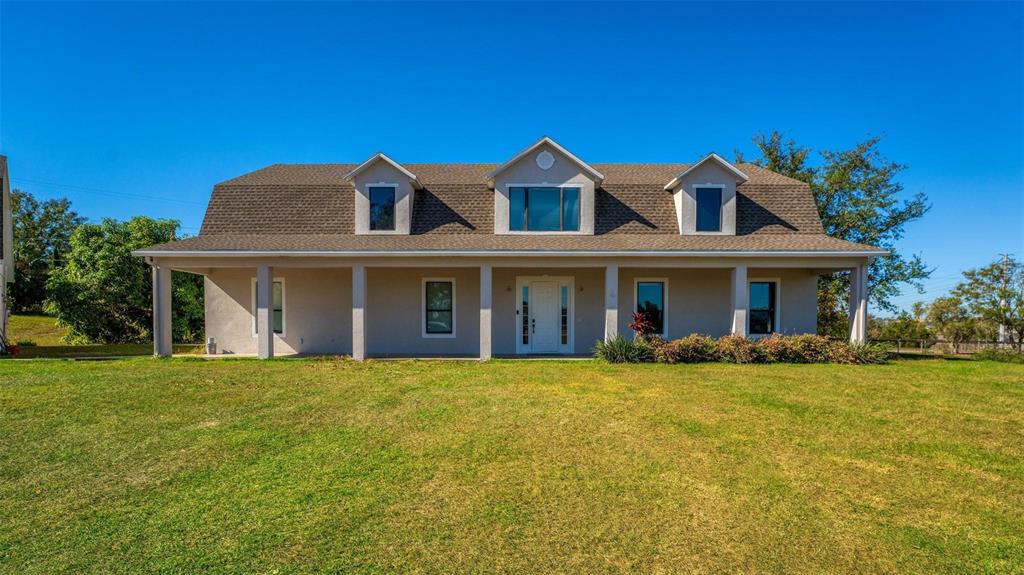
[
  {"x": 542, "y": 254},
  {"x": 6, "y": 245}
]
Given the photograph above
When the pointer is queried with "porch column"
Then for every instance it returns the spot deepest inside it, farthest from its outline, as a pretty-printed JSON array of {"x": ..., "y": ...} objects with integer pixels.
[
  {"x": 611, "y": 302},
  {"x": 264, "y": 312},
  {"x": 859, "y": 304},
  {"x": 161, "y": 310},
  {"x": 740, "y": 300},
  {"x": 485, "y": 312},
  {"x": 359, "y": 312}
]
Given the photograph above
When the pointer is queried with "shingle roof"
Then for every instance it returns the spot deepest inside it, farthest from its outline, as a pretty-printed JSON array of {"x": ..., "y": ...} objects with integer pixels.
[{"x": 310, "y": 207}]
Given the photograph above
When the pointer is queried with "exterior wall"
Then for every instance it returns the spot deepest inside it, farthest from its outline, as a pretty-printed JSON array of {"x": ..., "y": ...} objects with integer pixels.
[
  {"x": 317, "y": 303},
  {"x": 318, "y": 317},
  {"x": 564, "y": 172},
  {"x": 394, "y": 312},
  {"x": 383, "y": 173},
  {"x": 685, "y": 197}
]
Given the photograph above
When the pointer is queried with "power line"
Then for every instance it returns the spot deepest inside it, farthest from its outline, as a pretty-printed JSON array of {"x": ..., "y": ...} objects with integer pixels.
[{"x": 87, "y": 190}]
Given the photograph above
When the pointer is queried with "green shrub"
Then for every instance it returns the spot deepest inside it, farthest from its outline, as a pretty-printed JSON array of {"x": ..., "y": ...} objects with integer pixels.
[
  {"x": 622, "y": 350},
  {"x": 810, "y": 348},
  {"x": 694, "y": 348},
  {"x": 839, "y": 351},
  {"x": 26, "y": 343},
  {"x": 868, "y": 353},
  {"x": 737, "y": 349},
  {"x": 777, "y": 349},
  {"x": 1003, "y": 355}
]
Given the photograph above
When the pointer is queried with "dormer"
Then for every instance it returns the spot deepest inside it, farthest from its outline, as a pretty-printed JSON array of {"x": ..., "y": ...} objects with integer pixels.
[
  {"x": 705, "y": 197},
  {"x": 544, "y": 189},
  {"x": 384, "y": 196}
]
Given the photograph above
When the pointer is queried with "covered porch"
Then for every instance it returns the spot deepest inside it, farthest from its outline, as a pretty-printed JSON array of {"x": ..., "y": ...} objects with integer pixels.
[{"x": 494, "y": 306}]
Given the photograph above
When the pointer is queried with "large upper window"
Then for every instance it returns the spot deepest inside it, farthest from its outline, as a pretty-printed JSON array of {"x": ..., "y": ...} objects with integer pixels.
[
  {"x": 544, "y": 209},
  {"x": 709, "y": 209},
  {"x": 763, "y": 305},
  {"x": 382, "y": 208},
  {"x": 439, "y": 307},
  {"x": 650, "y": 301}
]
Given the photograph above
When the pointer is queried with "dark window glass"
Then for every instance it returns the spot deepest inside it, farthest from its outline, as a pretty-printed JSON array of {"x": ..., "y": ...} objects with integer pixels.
[
  {"x": 650, "y": 300},
  {"x": 517, "y": 209},
  {"x": 709, "y": 209},
  {"x": 565, "y": 315},
  {"x": 762, "y": 308},
  {"x": 439, "y": 306},
  {"x": 276, "y": 308},
  {"x": 544, "y": 209},
  {"x": 526, "y": 315},
  {"x": 382, "y": 208},
  {"x": 571, "y": 209}
]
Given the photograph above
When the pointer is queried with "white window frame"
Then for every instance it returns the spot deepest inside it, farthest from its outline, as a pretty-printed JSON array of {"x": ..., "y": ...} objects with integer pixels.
[
  {"x": 284, "y": 306},
  {"x": 664, "y": 312},
  {"x": 423, "y": 309},
  {"x": 568, "y": 281},
  {"x": 369, "y": 207},
  {"x": 778, "y": 306},
  {"x": 508, "y": 196},
  {"x": 721, "y": 209}
]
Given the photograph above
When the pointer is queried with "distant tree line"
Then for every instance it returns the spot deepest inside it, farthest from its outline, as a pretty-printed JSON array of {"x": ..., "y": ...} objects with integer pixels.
[{"x": 84, "y": 274}]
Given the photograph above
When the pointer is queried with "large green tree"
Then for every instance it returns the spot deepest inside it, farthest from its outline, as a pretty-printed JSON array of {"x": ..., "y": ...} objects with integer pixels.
[
  {"x": 42, "y": 236},
  {"x": 860, "y": 200},
  {"x": 103, "y": 294},
  {"x": 995, "y": 294}
]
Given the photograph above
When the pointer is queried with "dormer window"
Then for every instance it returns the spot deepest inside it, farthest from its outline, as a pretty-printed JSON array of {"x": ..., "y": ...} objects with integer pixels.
[
  {"x": 544, "y": 209},
  {"x": 709, "y": 208},
  {"x": 382, "y": 207}
]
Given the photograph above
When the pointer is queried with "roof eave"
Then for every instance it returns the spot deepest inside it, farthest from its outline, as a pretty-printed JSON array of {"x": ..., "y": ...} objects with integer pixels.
[
  {"x": 382, "y": 157},
  {"x": 740, "y": 176},
  {"x": 597, "y": 176}
]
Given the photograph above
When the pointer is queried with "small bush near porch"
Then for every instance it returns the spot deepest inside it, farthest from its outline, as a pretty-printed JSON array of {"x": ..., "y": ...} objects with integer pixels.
[{"x": 288, "y": 466}]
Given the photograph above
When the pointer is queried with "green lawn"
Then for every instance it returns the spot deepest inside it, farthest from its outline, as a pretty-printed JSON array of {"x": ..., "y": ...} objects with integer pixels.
[
  {"x": 48, "y": 337},
  {"x": 182, "y": 466},
  {"x": 39, "y": 329}
]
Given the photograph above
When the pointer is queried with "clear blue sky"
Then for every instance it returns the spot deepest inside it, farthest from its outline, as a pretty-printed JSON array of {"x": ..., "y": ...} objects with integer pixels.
[{"x": 140, "y": 108}]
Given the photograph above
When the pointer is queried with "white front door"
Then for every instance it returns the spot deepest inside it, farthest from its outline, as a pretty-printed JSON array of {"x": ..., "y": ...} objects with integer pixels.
[{"x": 544, "y": 316}]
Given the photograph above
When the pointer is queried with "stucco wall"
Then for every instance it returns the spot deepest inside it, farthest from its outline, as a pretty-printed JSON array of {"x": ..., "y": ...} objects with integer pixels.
[
  {"x": 383, "y": 173},
  {"x": 318, "y": 317},
  {"x": 318, "y": 310},
  {"x": 685, "y": 197},
  {"x": 564, "y": 172}
]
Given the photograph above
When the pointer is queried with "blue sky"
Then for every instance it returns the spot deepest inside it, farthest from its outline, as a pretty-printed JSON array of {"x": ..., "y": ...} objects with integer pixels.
[{"x": 140, "y": 108}]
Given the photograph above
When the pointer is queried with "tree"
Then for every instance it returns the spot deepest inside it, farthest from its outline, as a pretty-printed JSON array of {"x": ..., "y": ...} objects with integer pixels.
[
  {"x": 42, "y": 235},
  {"x": 948, "y": 317},
  {"x": 903, "y": 327},
  {"x": 857, "y": 195},
  {"x": 995, "y": 294},
  {"x": 103, "y": 294}
]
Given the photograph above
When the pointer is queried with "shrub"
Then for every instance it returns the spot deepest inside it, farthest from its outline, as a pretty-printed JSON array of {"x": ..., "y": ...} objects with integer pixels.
[
  {"x": 693, "y": 348},
  {"x": 839, "y": 352},
  {"x": 642, "y": 325},
  {"x": 1003, "y": 355},
  {"x": 737, "y": 349},
  {"x": 26, "y": 343},
  {"x": 622, "y": 350},
  {"x": 810, "y": 348},
  {"x": 868, "y": 353},
  {"x": 777, "y": 349}
]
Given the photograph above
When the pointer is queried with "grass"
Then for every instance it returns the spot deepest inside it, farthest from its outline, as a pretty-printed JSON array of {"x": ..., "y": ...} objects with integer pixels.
[
  {"x": 37, "y": 328},
  {"x": 289, "y": 466},
  {"x": 48, "y": 337}
]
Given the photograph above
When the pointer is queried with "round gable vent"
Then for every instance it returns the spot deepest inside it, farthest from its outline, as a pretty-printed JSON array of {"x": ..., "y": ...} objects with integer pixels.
[{"x": 545, "y": 160}]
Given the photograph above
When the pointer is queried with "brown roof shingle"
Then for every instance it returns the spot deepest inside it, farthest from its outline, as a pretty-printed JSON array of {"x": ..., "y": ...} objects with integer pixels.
[{"x": 310, "y": 207}]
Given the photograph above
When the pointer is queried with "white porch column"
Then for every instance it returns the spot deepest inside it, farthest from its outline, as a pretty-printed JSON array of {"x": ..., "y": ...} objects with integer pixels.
[
  {"x": 740, "y": 300},
  {"x": 161, "y": 310},
  {"x": 859, "y": 304},
  {"x": 485, "y": 312},
  {"x": 359, "y": 312},
  {"x": 264, "y": 312},
  {"x": 611, "y": 302}
]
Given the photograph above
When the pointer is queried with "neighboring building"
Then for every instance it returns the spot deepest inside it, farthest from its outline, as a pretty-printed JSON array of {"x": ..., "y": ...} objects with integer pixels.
[
  {"x": 6, "y": 244},
  {"x": 543, "y": 254}
]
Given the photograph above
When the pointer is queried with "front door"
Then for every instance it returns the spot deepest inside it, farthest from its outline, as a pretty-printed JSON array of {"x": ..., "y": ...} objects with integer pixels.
[{"x": 544, "y": 316}]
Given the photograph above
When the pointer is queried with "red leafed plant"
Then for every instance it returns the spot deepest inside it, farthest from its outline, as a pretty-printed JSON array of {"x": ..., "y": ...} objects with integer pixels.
[{"x": 642, "y": 325}]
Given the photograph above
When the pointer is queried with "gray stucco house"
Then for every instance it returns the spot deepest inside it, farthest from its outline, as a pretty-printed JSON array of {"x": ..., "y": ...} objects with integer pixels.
[
  {"x": 542, "y": 254},
  {"x": 6, "y": 244}
]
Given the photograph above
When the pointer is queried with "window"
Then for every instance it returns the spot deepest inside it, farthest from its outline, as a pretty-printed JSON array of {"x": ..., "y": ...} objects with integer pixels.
[
  {"x": 544, "y": 209},
  {"x": 526, "y": 315},
  {"x": 276, "y": 307},
  {"x": 564, "y": 317},
  {"x": 709, "y": 209},
  {"x": 439, "y": 308},
  {"x": 382, "y": 207},
  {"x": 650, "y": 300},
  {"x": 763, "y": 307}
]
